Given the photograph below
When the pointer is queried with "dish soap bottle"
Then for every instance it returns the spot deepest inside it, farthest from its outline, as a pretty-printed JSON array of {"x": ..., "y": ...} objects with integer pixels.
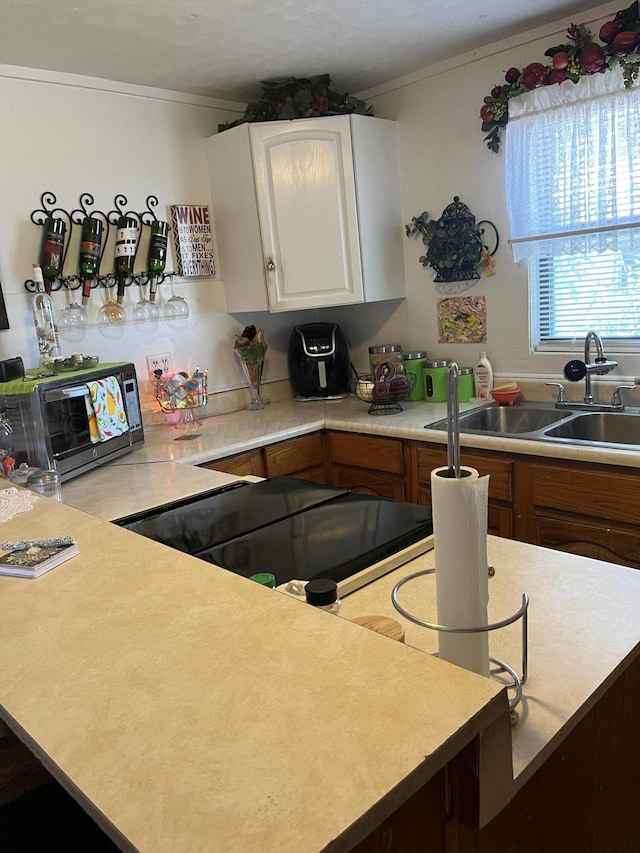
[{"x": 483, "y": 377}]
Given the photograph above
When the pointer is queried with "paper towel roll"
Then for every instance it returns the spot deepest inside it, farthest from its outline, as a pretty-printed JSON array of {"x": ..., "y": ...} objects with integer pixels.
[{"x": 459, "y": 507}]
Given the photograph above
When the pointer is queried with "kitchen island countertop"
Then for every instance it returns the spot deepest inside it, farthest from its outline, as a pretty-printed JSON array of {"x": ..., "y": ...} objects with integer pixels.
[
  {"x": 154, "y": 688},
  {"x": 182, "y": 704},
  {"x": 179, "y": 702}
]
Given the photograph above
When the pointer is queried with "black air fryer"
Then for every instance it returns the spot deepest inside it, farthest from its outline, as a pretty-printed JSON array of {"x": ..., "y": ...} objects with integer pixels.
[{"x": 319, "y": 361}]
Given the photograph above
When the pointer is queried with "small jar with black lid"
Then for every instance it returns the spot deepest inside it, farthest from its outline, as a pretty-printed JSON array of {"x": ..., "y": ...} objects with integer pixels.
[{"x": 323, "y": 593}]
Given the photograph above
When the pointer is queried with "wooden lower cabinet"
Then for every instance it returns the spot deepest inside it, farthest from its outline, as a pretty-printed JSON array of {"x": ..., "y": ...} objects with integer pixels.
[
  {"x": 583, "y": 799},
  {"x": 371, "y": 465},
  {"x": 302, "y": 457},
  {"x": 583, "y": 508},
  {"x": 20, "y": 770},
  {"x": 242, "y": 464},
  {"x": 591, "y": 510},
  {"x": 498, "y": 466}
]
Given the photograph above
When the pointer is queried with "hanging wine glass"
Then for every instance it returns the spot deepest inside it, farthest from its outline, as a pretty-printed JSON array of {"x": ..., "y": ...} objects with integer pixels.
[
  {"x": 73, "y": 322},
  {"x": 144, "y": 310},
  {"x": 176, "y": 308},
  {"x": 111, "y": 315}
]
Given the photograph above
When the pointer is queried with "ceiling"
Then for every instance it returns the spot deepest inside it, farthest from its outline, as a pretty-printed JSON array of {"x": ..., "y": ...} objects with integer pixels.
[{"x": 223, "y": 48}]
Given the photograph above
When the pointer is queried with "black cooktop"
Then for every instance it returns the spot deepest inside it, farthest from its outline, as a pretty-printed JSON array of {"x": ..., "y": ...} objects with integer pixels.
[{"x": 293, "y": 528}]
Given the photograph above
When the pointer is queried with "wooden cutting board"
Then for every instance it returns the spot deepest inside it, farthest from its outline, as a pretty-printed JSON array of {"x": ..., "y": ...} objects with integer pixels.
[{"x": 382, "y": 625}]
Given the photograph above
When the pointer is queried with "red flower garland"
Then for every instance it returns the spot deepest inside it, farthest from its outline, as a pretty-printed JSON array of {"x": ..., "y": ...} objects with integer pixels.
[{"x": 580, "y": 56}]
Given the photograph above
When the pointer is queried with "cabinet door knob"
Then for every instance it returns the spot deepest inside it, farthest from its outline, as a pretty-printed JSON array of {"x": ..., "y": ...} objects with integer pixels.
[{"x": 270, "y": 265}]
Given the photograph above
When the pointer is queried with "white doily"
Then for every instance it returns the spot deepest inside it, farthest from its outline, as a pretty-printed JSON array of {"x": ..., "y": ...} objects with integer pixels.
[{"x": 14, "y": 501}]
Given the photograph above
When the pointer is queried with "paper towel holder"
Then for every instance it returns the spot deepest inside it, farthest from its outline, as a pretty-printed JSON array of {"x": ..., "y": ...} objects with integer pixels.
[{"x": 521, "y": 613}]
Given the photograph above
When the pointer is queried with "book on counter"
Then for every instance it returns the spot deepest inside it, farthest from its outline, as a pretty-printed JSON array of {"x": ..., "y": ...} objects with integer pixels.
[{"x": 32, "y": 559}]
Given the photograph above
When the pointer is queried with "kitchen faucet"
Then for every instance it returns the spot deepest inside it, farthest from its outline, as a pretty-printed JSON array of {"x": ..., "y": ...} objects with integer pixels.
[
  {"x": 575, "y": 370},
  {"x": 601, "y": 366}
]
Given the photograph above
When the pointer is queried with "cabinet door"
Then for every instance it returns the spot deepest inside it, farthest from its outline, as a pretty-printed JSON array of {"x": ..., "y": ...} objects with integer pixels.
[
  {"x": 587, "y": 510},
  {"x": 241, "y": 464},
  {"x": 301, "y": 457},
  {"x": 370, "y": 465},
  {"x": 305, "y": 188}
]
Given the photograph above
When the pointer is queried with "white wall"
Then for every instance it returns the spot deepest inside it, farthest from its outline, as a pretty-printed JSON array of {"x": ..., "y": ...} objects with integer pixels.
[
  {"x": 70, "y": 135},
  {"x": 442, "y": 155}
]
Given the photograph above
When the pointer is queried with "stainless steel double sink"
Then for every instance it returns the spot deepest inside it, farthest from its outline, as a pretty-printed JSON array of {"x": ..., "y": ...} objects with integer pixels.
[{"x": 543, "y": 422}]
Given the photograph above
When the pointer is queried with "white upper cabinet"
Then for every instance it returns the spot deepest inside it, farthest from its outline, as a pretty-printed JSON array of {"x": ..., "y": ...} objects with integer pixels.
[{"x": 307, "y": 213}]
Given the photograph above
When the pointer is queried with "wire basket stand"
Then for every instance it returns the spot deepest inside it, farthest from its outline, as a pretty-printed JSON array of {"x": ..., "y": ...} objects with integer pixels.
[
  {"x": 384, "y": 397},
  {"x": 183, "y": 393}
]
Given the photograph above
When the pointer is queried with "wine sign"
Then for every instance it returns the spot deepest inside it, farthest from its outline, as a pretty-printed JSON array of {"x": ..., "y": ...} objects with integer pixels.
[{"x": 193, "y": 238}]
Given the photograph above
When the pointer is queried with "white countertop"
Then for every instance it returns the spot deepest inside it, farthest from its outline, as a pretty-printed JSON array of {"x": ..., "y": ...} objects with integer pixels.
[
  {"x": 107, "y": 494},
  {"x": 225, "y": 435},
  {"x": 155, "y": 689},
  {"x": 573, "y": 651},
  {"x": 181, "y": 703}
]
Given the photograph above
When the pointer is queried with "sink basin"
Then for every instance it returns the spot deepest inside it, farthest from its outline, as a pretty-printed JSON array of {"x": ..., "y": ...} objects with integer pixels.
[
  {"x": 542, "y": 422},
  {"x": 600, "y": 428},
  {"x": 507, "y": 420}
]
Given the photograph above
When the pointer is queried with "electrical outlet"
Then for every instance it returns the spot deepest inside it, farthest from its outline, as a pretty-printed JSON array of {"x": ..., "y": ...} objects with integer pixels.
[{"x": 161, "y": 361}]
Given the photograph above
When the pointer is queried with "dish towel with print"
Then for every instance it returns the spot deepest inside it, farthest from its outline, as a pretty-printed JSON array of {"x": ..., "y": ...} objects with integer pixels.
[
  {"x": 94, "y": 435},
  {"x": 106, "y": 401}
]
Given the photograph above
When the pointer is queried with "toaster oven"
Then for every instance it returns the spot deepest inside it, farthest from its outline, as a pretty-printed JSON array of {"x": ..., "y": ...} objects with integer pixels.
[{"x": 55, "y": 425}]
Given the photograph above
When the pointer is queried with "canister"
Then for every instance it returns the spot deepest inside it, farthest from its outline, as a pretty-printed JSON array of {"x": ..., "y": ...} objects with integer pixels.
[
  {"x": 466, "y": 387},
  {"x": 413, "y": 365},
  {"x": 385, "y": 361},
  {"x": 47, "y": 483},
  {"x": 435, "y": 381}
]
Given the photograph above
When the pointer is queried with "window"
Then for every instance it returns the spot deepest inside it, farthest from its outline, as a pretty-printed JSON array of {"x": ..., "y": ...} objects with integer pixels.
[{"x": 573, "y": 194}]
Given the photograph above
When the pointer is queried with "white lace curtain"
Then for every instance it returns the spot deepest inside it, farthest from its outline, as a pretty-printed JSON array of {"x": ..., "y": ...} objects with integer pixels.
[{"x": 573, "y": 165}]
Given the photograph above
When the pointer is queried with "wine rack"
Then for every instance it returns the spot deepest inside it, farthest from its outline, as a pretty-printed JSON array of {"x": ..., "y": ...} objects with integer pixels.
[{"x": 50, "y": 210}]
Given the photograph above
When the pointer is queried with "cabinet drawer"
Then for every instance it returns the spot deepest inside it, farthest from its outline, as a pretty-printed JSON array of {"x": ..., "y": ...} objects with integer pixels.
[
  {"x": 365, "y": 451},
  {"x": 295, "y": 454},
  {"x": 587, "y": 492},
  {"x": 500, "y": 470},
  {"x": 588, "y": 538}
]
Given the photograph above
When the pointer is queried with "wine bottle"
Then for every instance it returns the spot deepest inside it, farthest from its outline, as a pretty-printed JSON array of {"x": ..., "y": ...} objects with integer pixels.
[
  {"x": 44, "y": 319},
  {"x": 157, "y": 257},
  {"x": 89, "y": 260},
  {"x": 52, "y": 250},
  {"x": 125, "y": 251}
]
